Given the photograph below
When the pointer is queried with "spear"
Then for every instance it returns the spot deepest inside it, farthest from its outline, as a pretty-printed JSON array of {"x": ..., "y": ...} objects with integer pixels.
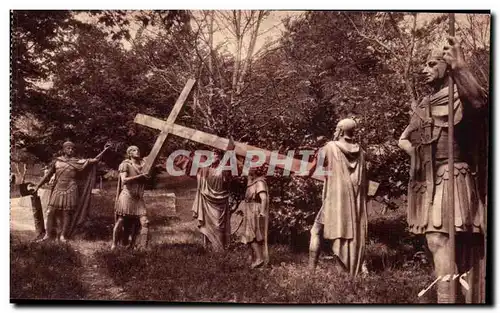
[{"x": 451, "y": 173}]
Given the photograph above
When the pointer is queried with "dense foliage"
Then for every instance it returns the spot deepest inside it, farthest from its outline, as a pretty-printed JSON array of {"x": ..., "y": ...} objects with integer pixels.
[{"x": 85, "y": 75}]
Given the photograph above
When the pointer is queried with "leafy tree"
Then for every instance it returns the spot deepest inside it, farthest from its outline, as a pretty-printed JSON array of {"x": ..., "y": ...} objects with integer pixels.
[
  {"x": 97, "y": 86},
  {"x": 104, "y": 67},
  {"x": 34, "y": 37}
]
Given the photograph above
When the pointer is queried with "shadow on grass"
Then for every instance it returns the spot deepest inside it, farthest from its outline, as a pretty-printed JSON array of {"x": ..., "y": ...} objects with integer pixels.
[
  {"x": 97, "y": 229},
  {"x": 45, "y": 271},
  {"x": 191, "y": 248},
  {"x": 185, "y": 272},
  {"x": 391, "y": 245}
]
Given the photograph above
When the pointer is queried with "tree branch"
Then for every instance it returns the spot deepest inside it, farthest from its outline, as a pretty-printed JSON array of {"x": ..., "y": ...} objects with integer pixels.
[
  {"x": 251, "y": 47},
  {"x": 369, "y": 38},
  {"x": 409, "y": 80},
  {"x": 396, "y": 29}
]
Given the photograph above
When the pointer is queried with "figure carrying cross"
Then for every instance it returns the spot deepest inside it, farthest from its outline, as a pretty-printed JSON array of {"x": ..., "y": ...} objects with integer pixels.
[
  {"x": 213, "y": 193},
  {"x": 242, "y": 150}
]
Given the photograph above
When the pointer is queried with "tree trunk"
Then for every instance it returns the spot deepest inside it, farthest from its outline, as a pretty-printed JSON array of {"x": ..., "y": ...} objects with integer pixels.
[{"x": 251, "y": 48}]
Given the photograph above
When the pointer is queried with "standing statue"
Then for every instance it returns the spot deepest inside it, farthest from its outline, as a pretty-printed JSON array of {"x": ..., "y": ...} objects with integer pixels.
[
  {"x": 130, "y": 208},
  {"x": 426, "y": 141},
  {"x": 342, "y": 218},
  {"x": 256, "y": 217},
  {"x": 70, "y": 195},
  {"x": 211, "y": 202}
]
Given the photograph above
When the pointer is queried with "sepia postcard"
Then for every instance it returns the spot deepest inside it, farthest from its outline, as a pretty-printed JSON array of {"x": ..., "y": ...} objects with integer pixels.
[{"x": 249, "y": 156}]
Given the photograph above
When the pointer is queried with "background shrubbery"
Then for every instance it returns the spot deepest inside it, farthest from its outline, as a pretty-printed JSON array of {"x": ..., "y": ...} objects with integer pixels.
[{"x": 84, "y": 76}]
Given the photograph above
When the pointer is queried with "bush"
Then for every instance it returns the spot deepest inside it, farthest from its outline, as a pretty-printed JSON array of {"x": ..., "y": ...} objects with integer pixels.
[{"x": 293, "y": 207}]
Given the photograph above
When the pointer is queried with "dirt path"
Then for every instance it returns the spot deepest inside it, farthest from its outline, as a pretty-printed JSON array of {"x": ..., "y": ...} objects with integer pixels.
[
  {"x": 95, "y": 276},
  {"x": 99, "y": 284},
  {"x": 92, "y": 272}
]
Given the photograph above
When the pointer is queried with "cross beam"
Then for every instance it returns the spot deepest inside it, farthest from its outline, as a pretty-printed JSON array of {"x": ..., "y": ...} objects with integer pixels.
[
  {"x": 214, "y": 141},
  {"x": 241, "y": 149},
  {"x": 167, "y": 126}
]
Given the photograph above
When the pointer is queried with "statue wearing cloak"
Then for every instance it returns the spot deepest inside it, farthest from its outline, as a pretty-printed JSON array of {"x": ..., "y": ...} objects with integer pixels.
[
  {"x": 343, "y": 213},
  {"x": 211, "y": 206},
  {"x": 71, "y": 190}
]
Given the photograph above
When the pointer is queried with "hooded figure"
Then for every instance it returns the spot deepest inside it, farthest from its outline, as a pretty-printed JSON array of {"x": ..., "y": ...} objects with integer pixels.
[{"x": 342, "y": 217}]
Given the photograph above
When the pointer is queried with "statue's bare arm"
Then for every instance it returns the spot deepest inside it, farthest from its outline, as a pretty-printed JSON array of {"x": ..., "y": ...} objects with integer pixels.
[
  {"x": 314, "y": 163},
  {"x": 46, "y": 178},
  {"x": 127, "y": 179},
  {"x": 404, "y": 142},
  {"x": 264, "y": 202},
  {"x": 467, "y": 85},
  {"x": 99, "y": 156}
]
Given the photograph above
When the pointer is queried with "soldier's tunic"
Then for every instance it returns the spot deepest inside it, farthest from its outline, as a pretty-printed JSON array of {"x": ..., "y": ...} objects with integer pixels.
[
  {"x": 254, "y": 227},
  {"x": 130, "y": 201},
  {"x": 64, "y": 194},
  {"x": 429, "y": 175},
  {"x": 71, "y": 189},
  {"x": 255, "y": 222}
]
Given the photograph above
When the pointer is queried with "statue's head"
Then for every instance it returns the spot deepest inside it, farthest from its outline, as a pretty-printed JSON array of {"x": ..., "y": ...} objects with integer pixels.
[
  {"x": 259, "y": 170},
  {"x": 435, "y": 70},
  {"x": 345, "y": 129},
  {"x": 215, "y": 156},
  {"x": 218, "y": 154},
  {"x": 69, "y": 148},
  {"x": 133, "y": 152}
]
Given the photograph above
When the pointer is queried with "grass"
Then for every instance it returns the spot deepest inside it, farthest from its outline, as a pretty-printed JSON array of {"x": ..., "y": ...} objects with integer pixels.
[
  {"x": 186, "y": 273},
  {"x": 390, "y": 245},
  {"x": 45, "y": 271},
  {"x": 178, "y": 269}
]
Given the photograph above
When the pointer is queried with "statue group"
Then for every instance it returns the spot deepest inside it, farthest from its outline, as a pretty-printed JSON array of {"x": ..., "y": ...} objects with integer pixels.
[{"x": 342, "y": 218}]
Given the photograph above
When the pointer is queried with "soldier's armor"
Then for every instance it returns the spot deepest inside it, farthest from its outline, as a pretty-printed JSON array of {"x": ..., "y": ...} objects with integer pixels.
[{"x": 427, "y": 192}]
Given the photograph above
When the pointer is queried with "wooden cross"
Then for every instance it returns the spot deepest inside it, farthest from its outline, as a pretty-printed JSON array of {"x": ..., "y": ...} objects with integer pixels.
[
  {"x": 166, "y": 126},
  {"x": 215, "y": 141},
  {"x": 241, "y": 149},
  {"x": 169, "y": 127}
]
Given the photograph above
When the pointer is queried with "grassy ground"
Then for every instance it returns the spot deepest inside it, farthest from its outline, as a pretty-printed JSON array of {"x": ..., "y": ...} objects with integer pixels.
[
  {"x": 177, "y": 268},
  {"x": 48, "y": 271},
  {"x": 188, "y": 273}
]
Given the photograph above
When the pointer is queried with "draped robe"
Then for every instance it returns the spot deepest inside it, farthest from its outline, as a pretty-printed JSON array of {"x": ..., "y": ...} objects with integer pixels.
[
  {"x": 343, "y": 212},
  {"x": 211, "y": 207},
  {"x": 72, "y": 188}
]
